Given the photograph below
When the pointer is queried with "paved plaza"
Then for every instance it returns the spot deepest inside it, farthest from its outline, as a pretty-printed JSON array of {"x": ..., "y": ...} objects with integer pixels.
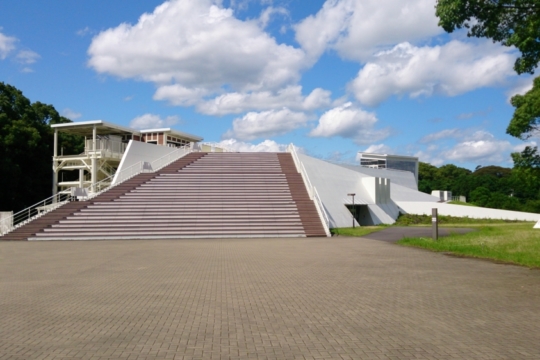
[{"x": 330, "y": 298}]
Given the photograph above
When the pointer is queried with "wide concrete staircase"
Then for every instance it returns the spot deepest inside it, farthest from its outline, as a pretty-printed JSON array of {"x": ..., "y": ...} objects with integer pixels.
[{"x": 202, "y": 195}]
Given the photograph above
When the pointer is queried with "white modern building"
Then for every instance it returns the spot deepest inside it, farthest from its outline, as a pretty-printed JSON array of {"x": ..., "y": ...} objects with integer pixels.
[
  {"x": 391, "y": 162},
  {"x": 384, "y": 185}
]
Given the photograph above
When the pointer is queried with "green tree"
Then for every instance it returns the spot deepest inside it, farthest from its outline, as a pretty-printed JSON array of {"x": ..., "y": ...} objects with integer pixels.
[
  {"x": 510, "y": 22},
  {"x": 481, "y": 196},
  {"x": 26, "y": 141},
  {"x": 526, "y": 174},
  {"x": 526, "y": 118},
  {"x": 492, "y": 170},
  {"x": 427, "y": 174},
  {"x": 529, "y": 158}
]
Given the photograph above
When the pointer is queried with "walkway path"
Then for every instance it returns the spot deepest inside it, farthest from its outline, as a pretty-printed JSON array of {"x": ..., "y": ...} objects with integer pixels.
[{"x": 317, "y": 298}]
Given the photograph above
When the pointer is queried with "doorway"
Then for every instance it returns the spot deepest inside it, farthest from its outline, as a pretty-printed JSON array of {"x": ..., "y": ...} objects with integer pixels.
[{"x": 361, "y": 214}]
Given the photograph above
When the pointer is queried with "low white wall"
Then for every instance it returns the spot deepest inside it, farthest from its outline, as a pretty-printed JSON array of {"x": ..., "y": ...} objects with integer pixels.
[
  {"x": 424, "y": 208},
  {"x": 137, "y": 151},
  {"x": 6, "y": 221}
]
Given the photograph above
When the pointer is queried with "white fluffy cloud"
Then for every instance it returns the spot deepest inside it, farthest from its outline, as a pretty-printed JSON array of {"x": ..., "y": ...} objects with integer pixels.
[
  {"x": 350, "y": 122},
  {"x": 27, "y": 57},
  {"x": 358, "y": 28},
  {"x": 192, "y": 48},
  {"x": 254, "y": 125},
  {"x": 480, "y": 150},
  {"x": 290, "y": 97},
  {"x": 7, "y": 44},
  {"x": 70, "y": 114},
  {"x": 443, "y": 134},
  {"x": 151, "y": 121},
  {"x": 522, "y": 86},
  {"x": 429, "y": 157},
  {"x": 477, "y": 146},
  {"x": 264, "y": 146},
  {"x": 378, "y": 149},
  {"x": 522, "y": 146},
  {"x": 269, "y": 12},
  {"x": 450, "y": 69}
]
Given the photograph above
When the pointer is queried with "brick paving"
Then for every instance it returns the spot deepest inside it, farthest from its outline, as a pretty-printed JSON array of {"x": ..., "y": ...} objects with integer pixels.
[{"x": 341, "y": 298}]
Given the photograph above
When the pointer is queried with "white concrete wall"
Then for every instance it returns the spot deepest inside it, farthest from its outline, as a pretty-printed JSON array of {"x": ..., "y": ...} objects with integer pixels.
[
  {"x": 137, "y": 151},
  {"x": 334, "y": 182},
  {"x": 424, "y": 208},
  {"x": 403, "y": 178},
  {"x": 377, "y": 188}
]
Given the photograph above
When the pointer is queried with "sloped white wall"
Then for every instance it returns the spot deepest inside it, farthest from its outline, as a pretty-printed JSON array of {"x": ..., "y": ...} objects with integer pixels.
[
  {"x": 137, "y": 151},
  {"x": 334, "y": 182},
  {"x": 398, "y": 177}
]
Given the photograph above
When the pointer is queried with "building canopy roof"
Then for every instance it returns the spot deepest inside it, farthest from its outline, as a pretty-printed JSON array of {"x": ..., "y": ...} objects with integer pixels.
[{"x": 85, "y": 128}]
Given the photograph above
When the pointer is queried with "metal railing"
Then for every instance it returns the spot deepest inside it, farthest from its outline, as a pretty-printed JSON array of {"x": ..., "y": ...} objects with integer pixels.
[
  {"x": 108, "y": 146},
  {"x": 170, "y": 157},
  {"x": 312, "y": 191},
  {"x": 35, "y": 211},
  {"x": 137, "y": 168}
]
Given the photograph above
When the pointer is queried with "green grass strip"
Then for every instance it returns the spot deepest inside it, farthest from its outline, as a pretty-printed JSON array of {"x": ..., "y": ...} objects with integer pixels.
[
  {"x": 410, "y": 219},
  {"x": 357, "y": 231},
  {"x": 510, "y": 243}
]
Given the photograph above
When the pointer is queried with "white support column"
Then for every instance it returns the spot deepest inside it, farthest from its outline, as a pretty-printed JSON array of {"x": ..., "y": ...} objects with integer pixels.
[
  {"x": 94, "y": 155},
  {"x": 54, "y": 167},
  {"x": 81, "y": 178}
]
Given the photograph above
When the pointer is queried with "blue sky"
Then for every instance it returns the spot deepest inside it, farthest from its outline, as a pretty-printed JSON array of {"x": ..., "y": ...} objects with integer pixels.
[{"x": 333, "y": 77}]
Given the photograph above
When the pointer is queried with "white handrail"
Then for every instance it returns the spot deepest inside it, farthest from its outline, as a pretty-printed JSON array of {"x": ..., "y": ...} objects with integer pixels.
[
  {"x": 318, "y": 199},
  {"x": 169, "y": 158},
  {"x": 124, "y": 175},
  {"x": 312, "y": 191},
  {"x": 140, "y": 167},
  {"x": 39, "y": 209},
  {"x": 35, "y": 211}
]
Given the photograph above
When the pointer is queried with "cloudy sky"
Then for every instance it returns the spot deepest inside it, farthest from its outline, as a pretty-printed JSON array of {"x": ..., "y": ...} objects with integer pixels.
[{"x": 333, "y": 77}]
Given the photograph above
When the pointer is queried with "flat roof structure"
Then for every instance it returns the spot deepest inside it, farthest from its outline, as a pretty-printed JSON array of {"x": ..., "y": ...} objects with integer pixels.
[{"x": 86, "y": 128}]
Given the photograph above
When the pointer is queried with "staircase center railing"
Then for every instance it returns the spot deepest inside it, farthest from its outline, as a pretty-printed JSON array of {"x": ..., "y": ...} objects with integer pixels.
[
  {"x": 39, "y": 209},
  {"x": 312, "y": 191}
]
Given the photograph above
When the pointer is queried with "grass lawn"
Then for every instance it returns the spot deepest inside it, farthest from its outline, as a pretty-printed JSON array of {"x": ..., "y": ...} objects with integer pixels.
[
  {"x": 516, "y": 243},
  {"x": 357, "y": 231}
]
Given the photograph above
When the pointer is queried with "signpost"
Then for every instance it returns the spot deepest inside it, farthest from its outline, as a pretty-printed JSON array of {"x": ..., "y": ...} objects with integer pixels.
[{"x": 434, "y": 224}]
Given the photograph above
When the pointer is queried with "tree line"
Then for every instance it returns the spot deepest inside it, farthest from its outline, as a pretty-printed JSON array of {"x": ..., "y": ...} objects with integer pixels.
[
  {"x": 26, "y": 149},
  {"x": 492, "y": 186}
]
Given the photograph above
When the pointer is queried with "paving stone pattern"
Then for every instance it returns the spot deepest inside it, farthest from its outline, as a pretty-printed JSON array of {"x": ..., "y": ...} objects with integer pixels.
[{"x": 311, "y": 298}]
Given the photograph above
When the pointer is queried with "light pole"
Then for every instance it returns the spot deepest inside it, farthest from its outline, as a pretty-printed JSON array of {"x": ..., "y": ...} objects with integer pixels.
[{"x": 354, "y": 208}]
